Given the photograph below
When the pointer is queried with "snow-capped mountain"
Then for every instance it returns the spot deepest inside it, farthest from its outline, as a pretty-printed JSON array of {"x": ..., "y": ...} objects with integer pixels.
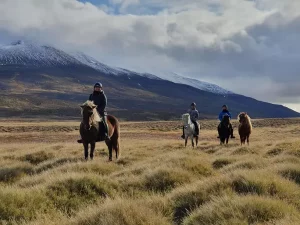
[
  {"x": 90, "y": 61},
  {"x": 30, "y": 54}
]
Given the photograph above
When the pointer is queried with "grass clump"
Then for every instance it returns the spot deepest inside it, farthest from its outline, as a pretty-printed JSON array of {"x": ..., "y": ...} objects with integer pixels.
[
  {"x": 12, "y": 174},
  {"x": 164, "y": 180},
  {"x": 19, "y": 205},
  {"x": 219, "y": 163},
  {"x": 291, "y": 173},
  {"x": 121, "y": 212},
  {"x": 70, "y": 194},
  {"x": 38, "y": 157},
  {"x": 241, "y": 211}
]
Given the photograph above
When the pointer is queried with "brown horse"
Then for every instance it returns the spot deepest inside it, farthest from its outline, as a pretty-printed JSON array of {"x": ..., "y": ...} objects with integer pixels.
[
  {"x": 90, "y": 130},
  {"x": 245, "y": 127}
]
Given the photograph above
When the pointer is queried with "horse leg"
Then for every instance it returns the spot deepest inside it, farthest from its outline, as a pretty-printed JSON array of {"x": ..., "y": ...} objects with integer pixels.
[
  {"x": 116, "y": 147},
  {"x": 196, "y": 141},
  {"x": 86, "y": 150},
  {"x": 193, "y": 141},
  {"x": 109, "y": 145},
  {"x": 248, "y": 139},
  {"x": 186, "y": 140},
  {"x": 93, "y": 145}
]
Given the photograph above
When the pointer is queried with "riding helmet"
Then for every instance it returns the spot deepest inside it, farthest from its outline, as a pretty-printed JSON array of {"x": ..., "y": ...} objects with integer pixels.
[
  {"x": 225, "y": 106},
  {"x": 193, "y": 104},
  {"x": 98, "y": 84}
]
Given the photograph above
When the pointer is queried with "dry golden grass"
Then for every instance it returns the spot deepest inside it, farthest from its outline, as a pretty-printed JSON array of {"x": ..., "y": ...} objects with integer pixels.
[{"x": 43, "y": 179}]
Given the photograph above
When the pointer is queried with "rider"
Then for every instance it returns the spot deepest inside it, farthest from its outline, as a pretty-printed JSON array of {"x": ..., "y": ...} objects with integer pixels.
[
  {"x": 194, "y": 114},
  {"x": 224, "y": 112},
  {"x": 99, "y": 99}
]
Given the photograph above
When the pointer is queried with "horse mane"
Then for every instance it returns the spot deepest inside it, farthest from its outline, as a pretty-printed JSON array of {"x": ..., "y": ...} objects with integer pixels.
[
  {"x": 248, "y": 119},
  {"x": 95, "y": 118},
  {"x": 186, "y": 119}
]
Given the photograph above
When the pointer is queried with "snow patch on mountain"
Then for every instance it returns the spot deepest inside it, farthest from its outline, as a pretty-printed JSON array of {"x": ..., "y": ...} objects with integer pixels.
[{"x": 204, "y": 86}]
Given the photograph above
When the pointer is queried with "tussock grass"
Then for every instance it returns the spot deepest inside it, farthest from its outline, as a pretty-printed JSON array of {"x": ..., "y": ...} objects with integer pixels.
[
  {"x": 70, "y": 194},
  {"x": 220, "y": 163},
  {"x": 165, "y": 180},
  {"x": 156, "y": 181},
  {"x": 13, "y": 173},
  {"x": 38, "y": 157},
  {"x": 121, "y": 212},
  {"x": 241, "y": 210}
]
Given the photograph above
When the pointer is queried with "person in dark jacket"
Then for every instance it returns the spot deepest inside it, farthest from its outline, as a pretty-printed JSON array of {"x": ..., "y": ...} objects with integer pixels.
[
  {"x": 194, "y": 115},
  {"x": 224, "y": 112},
  {"x": 99, "y": 99}
]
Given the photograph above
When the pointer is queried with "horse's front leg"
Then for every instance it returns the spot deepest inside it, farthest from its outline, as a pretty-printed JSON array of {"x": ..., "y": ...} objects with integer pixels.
[
  {"x": 185, "y": 142},
  {"x": 93, "y": 145},
  {"x": 86, "y": 150},
  {"x": 248, "y": 139}
]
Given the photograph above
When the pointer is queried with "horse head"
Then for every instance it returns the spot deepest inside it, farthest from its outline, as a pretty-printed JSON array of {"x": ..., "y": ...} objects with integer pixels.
[
  {"x": 186, "y": 119},
  {"x": 88, "y": 110},
  {"x": 242, "y": 117}
]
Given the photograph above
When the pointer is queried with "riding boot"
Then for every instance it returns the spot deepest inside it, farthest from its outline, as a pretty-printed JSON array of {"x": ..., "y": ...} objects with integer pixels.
[
  {"x": 196, "y": 129},
  {"x": 182, "y": 136},
  {"x": 106, "y": 128}
]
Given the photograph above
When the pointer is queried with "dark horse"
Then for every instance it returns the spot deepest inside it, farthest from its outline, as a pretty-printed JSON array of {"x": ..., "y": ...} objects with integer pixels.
[
  {"x": 91, "y": 130},
  {"x": 245, "y": 127},
  {"x": 224, "y": 130}
]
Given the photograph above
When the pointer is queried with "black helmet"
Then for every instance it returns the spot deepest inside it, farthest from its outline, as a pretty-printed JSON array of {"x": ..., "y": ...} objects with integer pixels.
[
  {"x": 193, "y": 104},
  {"x": 225, "y": 106},
  {"x": 98, "y": 84}
]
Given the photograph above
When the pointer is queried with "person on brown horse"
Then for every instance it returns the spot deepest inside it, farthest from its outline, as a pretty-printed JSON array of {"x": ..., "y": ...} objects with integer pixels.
[{"x": 100, "y": 99}]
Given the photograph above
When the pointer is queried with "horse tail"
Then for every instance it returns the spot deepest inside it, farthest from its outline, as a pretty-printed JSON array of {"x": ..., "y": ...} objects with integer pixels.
[{"x": 115, "y": 138}]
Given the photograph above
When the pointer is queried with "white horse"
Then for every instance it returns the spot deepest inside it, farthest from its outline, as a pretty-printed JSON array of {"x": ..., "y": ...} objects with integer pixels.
[{"x": 189, "y": 129}]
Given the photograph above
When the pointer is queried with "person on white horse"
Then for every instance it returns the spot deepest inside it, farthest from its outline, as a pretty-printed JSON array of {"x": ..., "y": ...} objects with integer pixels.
[{"x": 194, "y": 114}]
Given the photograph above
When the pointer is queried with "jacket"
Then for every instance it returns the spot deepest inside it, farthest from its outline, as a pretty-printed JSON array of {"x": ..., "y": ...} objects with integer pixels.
[
  {"x": 223, "y": 113},
  {"x": 99, "y": 99},
  {"x": 194, "y": 114}
]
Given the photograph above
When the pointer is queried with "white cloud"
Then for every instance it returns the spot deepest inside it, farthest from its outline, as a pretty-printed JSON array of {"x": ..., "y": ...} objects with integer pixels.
[{"x": 228, "y": 42}]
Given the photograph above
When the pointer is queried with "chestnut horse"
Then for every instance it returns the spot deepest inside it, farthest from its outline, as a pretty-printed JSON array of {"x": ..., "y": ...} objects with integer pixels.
[
  {"x": 90, "y": 127},
  {"x": 245, "y": 127}
]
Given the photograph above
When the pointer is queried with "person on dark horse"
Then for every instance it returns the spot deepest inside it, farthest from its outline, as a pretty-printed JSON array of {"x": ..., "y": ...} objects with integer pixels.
[
  {"x": 194, "y": 114},
  {"x": 99, "y": 99},
  {"x": 225, "y": 111}
]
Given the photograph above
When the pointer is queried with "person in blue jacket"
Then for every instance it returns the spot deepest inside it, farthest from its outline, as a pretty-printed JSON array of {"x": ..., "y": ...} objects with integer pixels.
[{"x": 224, "y": 112}]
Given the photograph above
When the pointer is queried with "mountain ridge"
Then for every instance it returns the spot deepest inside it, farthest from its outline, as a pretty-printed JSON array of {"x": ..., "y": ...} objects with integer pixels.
[{"x": 42, "y": 80}]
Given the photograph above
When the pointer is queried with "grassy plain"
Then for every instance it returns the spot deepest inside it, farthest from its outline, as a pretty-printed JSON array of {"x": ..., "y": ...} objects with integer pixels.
[{"x": 43, "y": 179}]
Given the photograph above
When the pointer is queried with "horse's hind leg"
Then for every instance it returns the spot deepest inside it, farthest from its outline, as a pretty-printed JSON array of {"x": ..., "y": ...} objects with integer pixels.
[
  {"x": 248, "y": 139},
  {"x": 109, "y": 145},
  {"x": 196, "y": 141},
  {"x": 185, "y": 143},
  {"x": 93, "y": 145},
  {"x": 193, "y": 144},
  {"x": 86, "y": 150},
  {"x": 116, "y": 147}
]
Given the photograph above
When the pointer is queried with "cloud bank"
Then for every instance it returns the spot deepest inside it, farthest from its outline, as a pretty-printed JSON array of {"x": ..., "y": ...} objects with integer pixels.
[{"x": 250, "y": 47}]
